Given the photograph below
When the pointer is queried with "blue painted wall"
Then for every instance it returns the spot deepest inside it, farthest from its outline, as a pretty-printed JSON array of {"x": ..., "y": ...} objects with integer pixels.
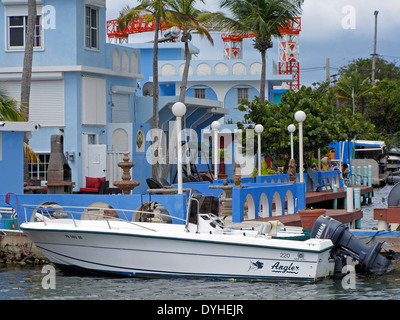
[
  {"x": 142, "y": 169},
  {"x": 174, "y": 204},
  {"x": 12, "y": 162},
  {"x": 60, "y": 44},
  {"x": 210, "y": 93},
  {"x": 231, "y": 103}
]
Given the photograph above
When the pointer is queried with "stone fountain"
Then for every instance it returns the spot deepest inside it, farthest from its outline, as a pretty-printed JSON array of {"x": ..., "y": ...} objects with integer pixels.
[{"x": 126, "y": 185}]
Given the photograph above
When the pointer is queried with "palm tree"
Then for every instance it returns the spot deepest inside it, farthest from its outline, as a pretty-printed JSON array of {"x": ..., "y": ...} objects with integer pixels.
[
  {"x": 264, "y": 18},
  {"x": 27, "y": 72},
  {"x": 182, "y": 13},
  {"x": 156, "y": 11},
  {"x": 28, "y": 58},
  {"x": 353, "y": 88}
]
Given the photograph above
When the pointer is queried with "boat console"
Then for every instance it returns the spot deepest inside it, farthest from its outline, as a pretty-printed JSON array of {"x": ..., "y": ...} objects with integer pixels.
[{"x": 210, "y": 223}]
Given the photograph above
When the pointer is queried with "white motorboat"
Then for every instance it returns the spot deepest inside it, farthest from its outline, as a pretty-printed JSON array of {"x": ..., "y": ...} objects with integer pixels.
[
  {"x": 205, "y": 249},
  {"x": 99, "y": 240}
]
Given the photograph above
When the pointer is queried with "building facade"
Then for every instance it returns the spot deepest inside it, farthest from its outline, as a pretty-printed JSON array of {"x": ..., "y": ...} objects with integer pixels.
[{"x": 98, "y": 94}]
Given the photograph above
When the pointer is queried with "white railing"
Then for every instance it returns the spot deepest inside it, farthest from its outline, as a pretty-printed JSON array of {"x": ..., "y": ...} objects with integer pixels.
[{"x": 50, "y": 213}]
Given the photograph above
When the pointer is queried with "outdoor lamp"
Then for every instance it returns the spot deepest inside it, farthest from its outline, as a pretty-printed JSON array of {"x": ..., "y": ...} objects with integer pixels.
[
  {"x": 259, "y": 129},
  {"x": 179, "y": 110},
  {"x": 215, "y": 126},
  {"x": 291, "y": 128},
  {"x": 300, "y": 116}
]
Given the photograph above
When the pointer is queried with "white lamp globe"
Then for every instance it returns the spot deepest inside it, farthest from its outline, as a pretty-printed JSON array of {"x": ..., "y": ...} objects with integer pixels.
[
  {"x": 259, "y": 128},
  {"x": 291, "y": 128},
  {"x": 300, "y": 116},
  {"x": 179, "y": 109},
  {"x": 216, "y": 125}
]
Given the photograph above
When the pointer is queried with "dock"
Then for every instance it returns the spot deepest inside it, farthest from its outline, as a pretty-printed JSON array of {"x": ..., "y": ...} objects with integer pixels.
[
  {"x": 293, "y": 220},
  {"x": 322, "y": 196}
]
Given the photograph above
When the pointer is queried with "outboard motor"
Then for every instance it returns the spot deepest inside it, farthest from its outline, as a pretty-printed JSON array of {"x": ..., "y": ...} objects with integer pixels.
[{"x": 347, "y": 245}]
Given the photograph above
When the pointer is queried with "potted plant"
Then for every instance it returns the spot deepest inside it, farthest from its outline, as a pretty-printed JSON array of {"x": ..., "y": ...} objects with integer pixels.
[
  {"x": 264, "y": 170},
  {"x": 309, "y": 216}
]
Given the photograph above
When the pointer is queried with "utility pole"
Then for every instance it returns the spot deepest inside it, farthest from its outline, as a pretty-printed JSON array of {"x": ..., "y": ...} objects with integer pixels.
[
  {"x": 374, "y": 54},
  {"x": 328, "y": 76}
]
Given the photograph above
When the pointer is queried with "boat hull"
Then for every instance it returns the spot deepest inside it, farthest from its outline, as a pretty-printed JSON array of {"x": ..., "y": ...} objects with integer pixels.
[{"x": 175, "y": 253}]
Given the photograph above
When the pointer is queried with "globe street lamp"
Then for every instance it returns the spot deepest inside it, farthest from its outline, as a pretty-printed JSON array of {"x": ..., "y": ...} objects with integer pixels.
[
  {"x": 291, "y": 128},
  {"x": 179, "y": 110},
  {"x": 259, "y": 129},
  {"x": 300, "y": 116},
  {"x": 215, "y": 126}
]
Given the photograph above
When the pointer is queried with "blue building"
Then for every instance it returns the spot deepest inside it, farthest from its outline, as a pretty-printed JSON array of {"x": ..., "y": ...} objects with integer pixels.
[{"x": 98, "y": 93}]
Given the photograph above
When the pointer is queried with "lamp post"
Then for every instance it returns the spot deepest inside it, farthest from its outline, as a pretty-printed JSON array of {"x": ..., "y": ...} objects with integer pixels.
[
  {"x": 259, "y": 129},
  {"x": 291, "y": 128},
  {"x": 215, "y": 126},
  {"x": 300, "y": 116},
  {"x": 179, "y": 109}
]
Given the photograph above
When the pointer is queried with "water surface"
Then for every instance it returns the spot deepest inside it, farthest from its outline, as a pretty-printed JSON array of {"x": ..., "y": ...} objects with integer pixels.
[{"x": 26, "y": 282}]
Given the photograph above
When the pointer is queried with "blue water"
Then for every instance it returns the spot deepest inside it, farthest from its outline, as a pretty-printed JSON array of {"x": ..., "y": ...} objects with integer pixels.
[{"x": 26, "y": 282}]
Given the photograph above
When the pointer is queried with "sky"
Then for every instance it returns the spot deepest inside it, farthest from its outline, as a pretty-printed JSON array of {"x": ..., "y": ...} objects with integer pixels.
[{"x": 341, "y": 30}]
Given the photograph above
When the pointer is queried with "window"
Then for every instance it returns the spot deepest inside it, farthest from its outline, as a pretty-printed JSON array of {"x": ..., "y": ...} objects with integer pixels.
[
  {"x": 91, "y": 28},
  {"x": 243, "y": 93},
  {"x": 17, "y": 27},
  {"x": 200, "y": 93},
  {"x": 39, "y": 171},
  {"x": 93, "y": 101}
]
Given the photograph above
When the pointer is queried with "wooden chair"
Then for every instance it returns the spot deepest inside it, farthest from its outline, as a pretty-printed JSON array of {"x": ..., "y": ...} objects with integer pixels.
[{"x": 315, "y": 183}]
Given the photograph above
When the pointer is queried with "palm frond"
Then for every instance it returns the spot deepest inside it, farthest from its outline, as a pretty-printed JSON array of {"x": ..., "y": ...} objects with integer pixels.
[{"x": 31, "y": 155}]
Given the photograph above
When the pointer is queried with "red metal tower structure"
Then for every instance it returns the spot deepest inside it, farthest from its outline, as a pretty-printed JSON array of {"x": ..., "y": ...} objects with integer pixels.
[
  {"x": 233, "y": 45},
  {"x": 137, "y": 25},
  {"x": 289, "y": 62},
  {"x": 289, "y": 55}
]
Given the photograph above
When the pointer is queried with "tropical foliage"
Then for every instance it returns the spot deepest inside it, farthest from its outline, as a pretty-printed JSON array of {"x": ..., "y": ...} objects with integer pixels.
[
  {"x": 384, "y": 69},
  {"x": 265, "y": 19},
  {"x": 384, "y": 107},
  {"x": 9, "y": 108},
  {"x": 354, "y": 89},
  {"x": 322, "y": 126},
  {"x": 379, "y": 103}
]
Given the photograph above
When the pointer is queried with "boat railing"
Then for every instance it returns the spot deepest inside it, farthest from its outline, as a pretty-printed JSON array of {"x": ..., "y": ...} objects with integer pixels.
[{"x": 47, "y": 213}]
